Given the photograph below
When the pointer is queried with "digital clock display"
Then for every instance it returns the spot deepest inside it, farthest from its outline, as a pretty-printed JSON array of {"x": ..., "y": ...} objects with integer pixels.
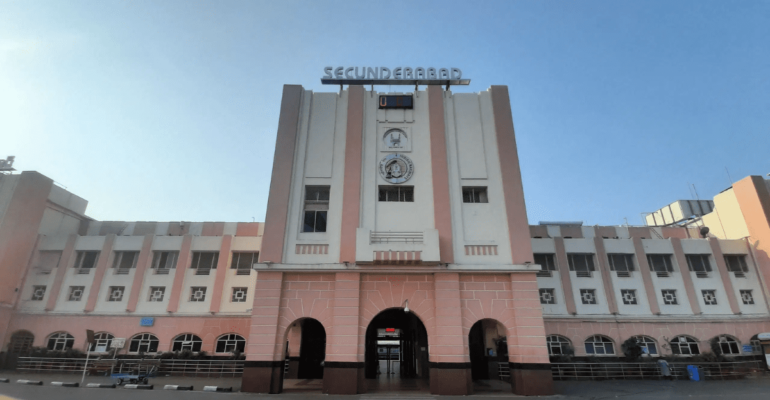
[{"x": 396, "y": 102}]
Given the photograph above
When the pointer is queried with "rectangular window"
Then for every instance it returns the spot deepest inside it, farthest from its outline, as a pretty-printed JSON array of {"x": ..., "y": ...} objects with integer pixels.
[
  {"x": 547, "y": 296},
  {"x": 709, "y": 297},
  {"x": 660, "y": 264},
  {"x": 622, "y": 264},
  {"x": 475, "y": 195},
  {"x": 85, "y": 261},
  {"x": 116, "y": 293},
  {"x": 736, "y": 263},
  {"x": 243, "y": 262},
  {"x": 204, "y": 261},
  {"x": 547, "y": 264},
  {"x": 124, "y": 261},
  {"x": 396, "y": 102},
  {"x": 47, "y": 261},
  {"x": 316, "y": 208},
  {"x": 629, "y": 296},
  {"x": 157, "y": 293},
  {"x": 38, "y": 292},
  {"x": 588, "y": 296},
  {"x": 699, "y": 263},
  {"x": 239, "y": 294},
  {"x": 164, "y": 261},
  {"x": 747, "y": 297},
  {"x": 198, "y": 293},
  {"x": 582, "y": 264},
  {"x": 669, "y": 297},
  {"x": 76, "y": 293},
  {"x": 397, "y": 193}
]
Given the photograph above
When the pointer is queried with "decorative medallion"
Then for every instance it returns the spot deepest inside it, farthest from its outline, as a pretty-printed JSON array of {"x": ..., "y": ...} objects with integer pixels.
[
  {"x": 396, "y": 139},
  {"x": 396, "y": 168}
]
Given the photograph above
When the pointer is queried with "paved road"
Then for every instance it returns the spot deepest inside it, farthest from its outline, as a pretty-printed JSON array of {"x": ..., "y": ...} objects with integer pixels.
[{"x": 748, "y": 389}]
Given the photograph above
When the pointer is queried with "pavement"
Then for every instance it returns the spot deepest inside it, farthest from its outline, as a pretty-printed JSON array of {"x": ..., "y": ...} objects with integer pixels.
[{"x": 745, "y": 389}]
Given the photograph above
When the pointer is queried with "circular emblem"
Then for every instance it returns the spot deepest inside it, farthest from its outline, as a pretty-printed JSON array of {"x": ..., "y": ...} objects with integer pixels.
[{"x": 396, "y": 168}]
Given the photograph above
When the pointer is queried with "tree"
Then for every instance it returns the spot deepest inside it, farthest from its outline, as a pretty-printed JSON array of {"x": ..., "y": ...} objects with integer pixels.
[{"x": 632, "y": 349}]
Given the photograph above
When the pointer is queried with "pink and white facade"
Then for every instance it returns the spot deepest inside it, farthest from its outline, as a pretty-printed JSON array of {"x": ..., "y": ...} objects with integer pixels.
[{"x": 373, "y": 212}]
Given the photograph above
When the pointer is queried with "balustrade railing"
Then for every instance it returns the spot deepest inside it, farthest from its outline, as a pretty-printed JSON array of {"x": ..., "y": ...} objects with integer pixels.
[
  {"x": 173, "y": 367},
  {"x": 650, "y": 370}
]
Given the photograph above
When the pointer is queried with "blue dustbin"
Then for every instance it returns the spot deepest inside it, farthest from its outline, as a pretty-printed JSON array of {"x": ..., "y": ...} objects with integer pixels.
[{"x": 693, "y": 373}]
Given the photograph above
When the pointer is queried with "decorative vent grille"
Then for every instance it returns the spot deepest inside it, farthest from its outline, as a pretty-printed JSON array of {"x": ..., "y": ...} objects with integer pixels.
[
  {"x": 663, "y": 274},
  {"x": 544, "y": 273},
  {"x": 83, "y": 271},
  {"x": 702, "y": 274},
  {"x": 203, "y": 271},
  {"x": 162, "y": 271},
  {"x": 739, "y": 274},
  {"x": 243, "y": 272},
  {"x": 583, "y": 274},
  {"x": 122, "y": 271},
  {"x": 624, "y": 274}
]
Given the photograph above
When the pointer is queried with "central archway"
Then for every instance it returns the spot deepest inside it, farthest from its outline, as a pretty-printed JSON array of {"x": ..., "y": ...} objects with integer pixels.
[{"x": 396, "y": 354}]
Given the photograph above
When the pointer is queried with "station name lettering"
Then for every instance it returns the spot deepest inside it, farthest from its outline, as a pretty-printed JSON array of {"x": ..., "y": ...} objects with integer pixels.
[{"x": 395, "y": 74}]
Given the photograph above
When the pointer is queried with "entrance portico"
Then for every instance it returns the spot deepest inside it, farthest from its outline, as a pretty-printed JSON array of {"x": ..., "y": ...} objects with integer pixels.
[{"x": 351, "y": 306}]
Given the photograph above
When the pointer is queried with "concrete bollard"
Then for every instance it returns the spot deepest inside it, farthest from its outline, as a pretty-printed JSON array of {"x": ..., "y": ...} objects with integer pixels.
[
  {"x": 177, "y": 387},
  {"x": 217, "y": 389},
  {"x": 65, "y": 384},
  {"x": 133, "y": 386},
  {"x": 101, "y": 385},
  {"x": 28, "y": 382}
]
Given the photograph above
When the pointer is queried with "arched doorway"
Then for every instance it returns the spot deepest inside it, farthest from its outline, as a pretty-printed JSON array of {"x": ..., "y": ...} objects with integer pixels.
[
  {"x": 305, "y": 351},
  {"x": 396, "y": 354},
  {"x": 19, "y": 346},
  {"x": 488, "y": 347}
]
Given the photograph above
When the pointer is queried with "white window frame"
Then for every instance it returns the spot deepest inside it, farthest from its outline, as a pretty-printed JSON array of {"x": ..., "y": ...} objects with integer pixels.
[
  {"x": 602, "y": 342},
  {"x": 232, "y": 341},
  {"x": 187, "y": 341}
]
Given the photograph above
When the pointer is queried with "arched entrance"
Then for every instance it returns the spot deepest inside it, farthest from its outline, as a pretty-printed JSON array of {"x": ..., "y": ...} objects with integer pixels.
[
  {"x": 305, "y": 351},
  {"x": 19, "y": 346},
  {"x": 488, "y": 348},
  {"x": 396, "y": 355}
]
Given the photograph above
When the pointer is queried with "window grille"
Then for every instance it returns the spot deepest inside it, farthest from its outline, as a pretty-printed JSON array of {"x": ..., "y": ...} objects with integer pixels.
[
  {"x": 198, "y": 293},
  {"x": 588, "y": 296},
  {"x": 76, "y": 293},
  {"x": 38, "y": 293},
  {"x": 747, "y": 296},
  {"x": 669, "y": 297},
  {"x": 709, "y": 297},
  {"x": 547, "y": 296},
  {"x": 116, "y": 293},
  {"x": 629, "y": 296},
  {"x": 239, "y": 294},
  {"x": 157, "y": 293}
]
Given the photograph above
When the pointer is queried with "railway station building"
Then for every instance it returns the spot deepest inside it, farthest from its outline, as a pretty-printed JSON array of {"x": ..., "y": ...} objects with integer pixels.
[{"x": 395, "y": 245}]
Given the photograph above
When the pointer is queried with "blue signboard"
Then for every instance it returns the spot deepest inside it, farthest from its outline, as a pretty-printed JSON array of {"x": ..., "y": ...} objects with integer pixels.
[
  {"x": 147, "y": 321},
  {"x": 747, "y": 348}
]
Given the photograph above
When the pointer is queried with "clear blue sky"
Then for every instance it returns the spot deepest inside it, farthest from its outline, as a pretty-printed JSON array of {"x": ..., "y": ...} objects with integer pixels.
[{"x": 167, "y": 110}]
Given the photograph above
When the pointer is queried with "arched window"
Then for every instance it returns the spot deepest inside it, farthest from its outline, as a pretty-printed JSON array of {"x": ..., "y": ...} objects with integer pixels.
[
  {"x": 648, "y": 345},
  {"x": 230, "y": 343},
  {"x": 756, "y": 345},
  {"x": 21, "y": 343},
  {"x": 60, "y": 341},
  {"x": 557, "y": 345},
  {"x": 599, "y": 345},
  {"x": 102, "y": 342},
  {"x": 144, "y": 342},
  {"x": 684, "y": 345},
  {"x": 188, "y": 341},
  {"x": 728, "y": 345}
]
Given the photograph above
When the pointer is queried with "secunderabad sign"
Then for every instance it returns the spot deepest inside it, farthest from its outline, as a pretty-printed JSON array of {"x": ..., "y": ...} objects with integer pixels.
[{"x": 394, "y": 76}]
